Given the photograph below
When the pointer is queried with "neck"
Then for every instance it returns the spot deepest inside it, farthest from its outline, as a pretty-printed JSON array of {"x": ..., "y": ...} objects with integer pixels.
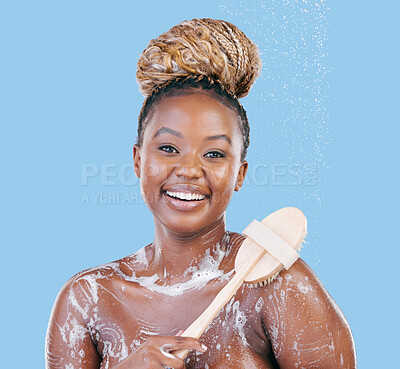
[{"x": 174, "y": 253}]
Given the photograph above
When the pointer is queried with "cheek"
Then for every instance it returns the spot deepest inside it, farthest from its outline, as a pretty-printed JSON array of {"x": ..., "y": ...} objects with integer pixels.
[
  {"x": 153, "y": 167},
  {"x": 223, "y": 177},
  {"x": 151, "y": 173}
]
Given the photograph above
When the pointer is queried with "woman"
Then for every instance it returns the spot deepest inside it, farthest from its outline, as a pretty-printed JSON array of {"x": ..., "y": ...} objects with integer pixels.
[{"x": 190, "y": 154}]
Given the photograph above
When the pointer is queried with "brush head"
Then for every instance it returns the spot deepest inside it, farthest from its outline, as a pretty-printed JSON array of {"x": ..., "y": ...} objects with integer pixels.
[{"x": 290, "y": 226}]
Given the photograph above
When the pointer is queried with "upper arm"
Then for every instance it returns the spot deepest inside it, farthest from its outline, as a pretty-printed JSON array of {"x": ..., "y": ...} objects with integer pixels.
[
  {"x": 68, "y": 341},
  {"x": 306, "y": 327}
]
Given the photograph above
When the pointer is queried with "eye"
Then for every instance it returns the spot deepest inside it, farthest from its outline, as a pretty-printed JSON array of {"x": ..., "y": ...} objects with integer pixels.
[
  {"x": 215, "y": 154},
  {"x": 169, "y": 149}
]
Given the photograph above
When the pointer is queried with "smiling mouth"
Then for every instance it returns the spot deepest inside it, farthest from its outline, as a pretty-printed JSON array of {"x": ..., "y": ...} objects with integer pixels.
[{"x": 185, "y": 196}]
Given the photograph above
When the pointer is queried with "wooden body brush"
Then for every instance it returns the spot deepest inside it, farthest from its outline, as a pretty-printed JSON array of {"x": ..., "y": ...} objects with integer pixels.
[{"x": 270, "y": 246}]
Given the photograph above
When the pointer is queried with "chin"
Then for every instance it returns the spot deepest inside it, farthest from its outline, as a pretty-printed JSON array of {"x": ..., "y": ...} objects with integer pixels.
[{"x": 185, "y": 226}]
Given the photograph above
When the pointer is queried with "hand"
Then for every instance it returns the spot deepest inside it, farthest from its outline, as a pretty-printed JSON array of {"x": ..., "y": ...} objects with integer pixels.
[{"x": 155, "y": 353}]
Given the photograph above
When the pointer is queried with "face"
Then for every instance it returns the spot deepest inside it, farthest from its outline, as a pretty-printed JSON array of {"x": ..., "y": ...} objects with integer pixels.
[{"x": 189, "y": 162}]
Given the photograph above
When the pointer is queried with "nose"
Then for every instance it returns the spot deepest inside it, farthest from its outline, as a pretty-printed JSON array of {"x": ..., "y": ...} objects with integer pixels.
[{"x": 189, "y": 167}]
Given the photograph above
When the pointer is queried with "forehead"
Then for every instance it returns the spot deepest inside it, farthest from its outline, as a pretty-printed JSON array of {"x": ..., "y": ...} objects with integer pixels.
[{"x": 194, "y": 110}]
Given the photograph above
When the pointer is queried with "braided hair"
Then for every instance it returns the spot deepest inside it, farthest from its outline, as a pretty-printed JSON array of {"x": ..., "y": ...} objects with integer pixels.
[{"x": 207, "y": 54}]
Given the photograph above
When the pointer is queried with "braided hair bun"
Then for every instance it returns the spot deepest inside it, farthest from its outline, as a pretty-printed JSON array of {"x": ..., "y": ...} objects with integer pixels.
[{"x": 213, "y": 48}]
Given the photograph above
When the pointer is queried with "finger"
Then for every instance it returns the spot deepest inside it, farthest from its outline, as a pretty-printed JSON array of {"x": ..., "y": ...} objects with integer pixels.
[
  {"x": 186, "y": 343},
  {"x": 169, "y": 360}
]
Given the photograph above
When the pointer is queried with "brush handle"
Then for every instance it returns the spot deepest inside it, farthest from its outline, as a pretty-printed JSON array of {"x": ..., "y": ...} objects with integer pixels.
[{"x": 197, "y": 328}]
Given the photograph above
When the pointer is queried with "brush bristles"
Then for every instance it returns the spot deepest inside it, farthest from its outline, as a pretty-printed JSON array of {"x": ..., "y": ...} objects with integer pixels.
[
  {"x": 264, "y": 283},
  {"x": 303, "y": 242},
  {"x": 271, "y": 279}
]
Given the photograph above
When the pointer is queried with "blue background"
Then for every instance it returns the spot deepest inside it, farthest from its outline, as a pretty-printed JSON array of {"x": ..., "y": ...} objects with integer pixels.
[{"x": 324, "y": 138}]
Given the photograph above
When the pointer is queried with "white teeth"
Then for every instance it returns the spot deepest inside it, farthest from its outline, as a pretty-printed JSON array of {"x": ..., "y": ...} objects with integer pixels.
[{"x": 186, "y": 196}]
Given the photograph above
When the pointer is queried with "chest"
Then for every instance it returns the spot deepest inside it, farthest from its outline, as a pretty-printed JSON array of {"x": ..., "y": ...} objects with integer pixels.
[{"x": 129, "y": 316}]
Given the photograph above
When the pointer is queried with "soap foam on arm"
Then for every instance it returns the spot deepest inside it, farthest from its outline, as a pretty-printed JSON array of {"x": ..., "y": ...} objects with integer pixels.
[
  {"x": 68, "y": 340},
  {"x": 305, "y": 326}
]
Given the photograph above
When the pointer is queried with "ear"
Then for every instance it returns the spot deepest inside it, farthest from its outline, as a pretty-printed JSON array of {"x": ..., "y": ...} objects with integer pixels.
[
  {"x": 241, "y": 175},
  {"x": 136, "y": 160}
]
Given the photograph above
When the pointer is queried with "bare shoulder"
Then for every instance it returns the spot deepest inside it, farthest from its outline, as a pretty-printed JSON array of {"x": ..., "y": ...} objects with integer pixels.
[
  {"x": 304, "y": 323},
  {"x": 80, "y": 307},
  {"x": 300, "y": 283},
  {"x": 79, "y": 295},
  {"x": 299, "y": 292},
  {"x": 69, "y": 340},
  {"x": 81, "y": 292},
  {"x": 118, "y": 269}
]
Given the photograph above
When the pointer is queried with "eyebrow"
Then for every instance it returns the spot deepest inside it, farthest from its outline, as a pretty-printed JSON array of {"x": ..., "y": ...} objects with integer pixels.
[
  {"x": 178, "y": 134},
  {"x": 168, "y": 130},
  {"x": 219, "y": 137}
]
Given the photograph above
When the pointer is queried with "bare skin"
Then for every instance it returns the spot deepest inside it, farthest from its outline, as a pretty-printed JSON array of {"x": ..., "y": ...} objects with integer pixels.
[{"x": 128, "y": 314}]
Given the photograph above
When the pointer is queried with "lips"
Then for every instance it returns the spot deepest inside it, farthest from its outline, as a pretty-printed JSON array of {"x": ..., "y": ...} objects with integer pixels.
[{"x": 185, "y": 196}]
